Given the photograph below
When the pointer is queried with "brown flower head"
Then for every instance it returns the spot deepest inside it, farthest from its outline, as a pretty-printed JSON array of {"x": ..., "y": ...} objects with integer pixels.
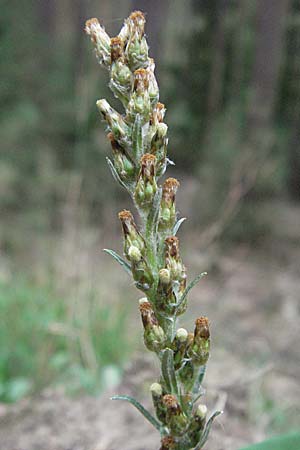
[
  {"x": 170, "y": 187},
  {"x": 116, "y": 48},
  {"x": 147, "y": 314},
  {"x": 136, "y": 22},
  {"x": 171, "y": 403},
  {"x": 141, "y": 80},
  {"x": 202, "y": 328},
  {"x": 167, "y": 443},
  {"x": 148, "y": 166},
  {"x": 158, "y": 113},
  {"x": 127, "y": 221},
  {"x": 172, "y": 247}
]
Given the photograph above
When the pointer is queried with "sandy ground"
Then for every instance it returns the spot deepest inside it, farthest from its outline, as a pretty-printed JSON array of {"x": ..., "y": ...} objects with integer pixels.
[{"x": 252, "y": 299}]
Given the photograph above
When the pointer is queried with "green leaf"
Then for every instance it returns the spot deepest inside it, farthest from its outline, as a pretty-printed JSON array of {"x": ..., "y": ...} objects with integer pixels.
[
  {"x": 168, "y": 370},
  {"x": 199, "y": 380},
  {"x": 207, "y": 430},
  {"x": 189, "y": 287},
  {"x": 137, "y": 138},
  {"x": 177, "y": 225},
  {"x": 119, "y": 259},
  {"x": 115, "y": 174},
  {"x": 286, "y": 442},
  {"x": 142, "y": 410},
  {"x": 152, "y": 221}
]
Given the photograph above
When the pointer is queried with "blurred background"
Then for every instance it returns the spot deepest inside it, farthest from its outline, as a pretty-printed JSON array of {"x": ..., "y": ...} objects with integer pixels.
[{"x": 229, "y": 75}]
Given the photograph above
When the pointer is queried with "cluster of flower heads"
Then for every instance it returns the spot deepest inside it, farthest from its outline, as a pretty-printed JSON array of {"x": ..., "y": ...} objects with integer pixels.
[{"x": 138, "y": 139}]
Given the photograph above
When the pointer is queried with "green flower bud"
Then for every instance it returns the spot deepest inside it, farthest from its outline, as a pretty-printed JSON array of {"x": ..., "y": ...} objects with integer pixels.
[
  {"x": 200, "y": 347},
  {"x": 175, "y": 418},
  {"x": 136, "y": 48},
  {"x": 158, "y": 146},
  {"x": 165, "y": 216},
  {"x": 180, "y": 345},
  {"x": 197, "y": 424},
  {"x": 142, "y": 274},
  {"x": 134, "y": 250},
  {"x": 168, "y": 211},
  {"x": 154, "y": 336},
  {"x": 164, "y": 276},
  {"x": 162, "y": 130},
  {"x": 146, "y": 186},
  {"x": 120, "y": 75},
  {"x": 137, "y": 53},
  {"x": 173, "y": 262},
  {"x": 201, "y": 411},
  {"x": 140, "y": 99},
  {"x": 156, "y": 389},
  {"x": 157, "y": 397},
  {"x": 123, "y": 162},
  {"x": 165, "y": 299},
  {"x": 100, "y": 40},
  {"x": 148, "y": 192},
  {"x": 182, "y": 335},
  {"x": 134, "y": 254},
  {"x": 114, "y": 120},
  {"x": 132, "y": 237}
]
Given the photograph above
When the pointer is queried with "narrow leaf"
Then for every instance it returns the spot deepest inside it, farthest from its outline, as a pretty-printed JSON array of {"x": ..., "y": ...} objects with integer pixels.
[
  {"x": 199, "y": 380},
  {"x": 168, "y": 370},
  {"x": 119, "y": 259},
  {"x": 207, "y": 430},
  {"x": 115, "y": 174},
  {"x": 170, "y": 162},
  {"x": 177, "y": 225},
  {"x": 139, "y": 407},
  {"x": 189, "y": 287},
  {"x": 137, "y": 138},
  {"x": 152, "y": 221},
  {"x": 201, "y": 392}
]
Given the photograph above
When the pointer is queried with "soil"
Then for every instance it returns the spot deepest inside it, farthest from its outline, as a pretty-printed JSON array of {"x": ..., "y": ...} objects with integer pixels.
[{"x": 252, "y": 298}]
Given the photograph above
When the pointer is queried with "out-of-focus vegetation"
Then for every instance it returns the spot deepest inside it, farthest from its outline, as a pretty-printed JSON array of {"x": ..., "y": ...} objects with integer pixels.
[
  {"x": 44, "y": 341},
  {"x": 291, "y": 442},
  {"x": 233, "y": 102}
]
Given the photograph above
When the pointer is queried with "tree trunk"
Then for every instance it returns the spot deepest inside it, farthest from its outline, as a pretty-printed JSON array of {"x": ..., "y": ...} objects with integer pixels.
[
  {"x": 268, "y": 50},
  {"x": 217, "y": 66}
]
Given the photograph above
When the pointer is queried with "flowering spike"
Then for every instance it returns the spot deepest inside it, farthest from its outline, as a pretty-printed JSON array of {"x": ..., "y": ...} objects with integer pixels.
[{"x": 139, "y": 140}]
